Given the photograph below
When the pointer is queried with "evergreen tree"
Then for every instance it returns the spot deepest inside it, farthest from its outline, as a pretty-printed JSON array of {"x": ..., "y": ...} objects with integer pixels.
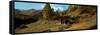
[
  {"x": 47, "y": 11},
  {"x": 57, "y": 13}
]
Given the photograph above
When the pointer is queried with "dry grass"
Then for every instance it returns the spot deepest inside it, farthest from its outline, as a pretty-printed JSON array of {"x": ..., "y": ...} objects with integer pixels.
[{"x": 43, "y": 25}]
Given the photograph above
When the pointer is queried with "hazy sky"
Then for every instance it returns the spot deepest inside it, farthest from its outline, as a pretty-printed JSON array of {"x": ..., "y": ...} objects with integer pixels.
[{"x": 25, "y": 6}]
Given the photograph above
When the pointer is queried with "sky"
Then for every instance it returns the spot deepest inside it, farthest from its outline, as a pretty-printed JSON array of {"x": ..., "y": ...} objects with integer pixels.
[{"x": 38, "y": 6}]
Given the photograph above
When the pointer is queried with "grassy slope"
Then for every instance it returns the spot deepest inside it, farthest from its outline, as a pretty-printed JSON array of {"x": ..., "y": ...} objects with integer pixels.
[
  {"x": 40, "y": 26},
  {"x": 84, "y": 23}
]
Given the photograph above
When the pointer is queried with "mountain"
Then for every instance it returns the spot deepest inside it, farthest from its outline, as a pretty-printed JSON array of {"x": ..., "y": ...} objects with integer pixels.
[
  {"x": 31, "y": 12},
  {"x": 76, "y": 10},
  {"x": 87, "y": 16}
]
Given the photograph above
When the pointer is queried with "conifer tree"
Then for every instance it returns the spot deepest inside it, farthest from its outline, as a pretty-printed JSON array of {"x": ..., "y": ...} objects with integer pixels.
[{"x": 47, "y": 11}]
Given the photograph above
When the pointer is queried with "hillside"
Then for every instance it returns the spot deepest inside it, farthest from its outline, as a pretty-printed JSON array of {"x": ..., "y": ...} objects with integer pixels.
[
  {"x": 77, "y": 17},
  {"x": 87, "y": 17}
]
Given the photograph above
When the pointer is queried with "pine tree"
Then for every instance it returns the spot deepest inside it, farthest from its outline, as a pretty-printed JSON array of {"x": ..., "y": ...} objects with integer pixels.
[
  {"x": 57, "y": 13},
  {"x": 47, "y": 11}
]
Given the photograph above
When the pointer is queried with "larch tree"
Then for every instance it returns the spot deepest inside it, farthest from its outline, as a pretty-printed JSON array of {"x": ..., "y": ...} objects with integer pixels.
[{"x": 47, "y": 11}]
